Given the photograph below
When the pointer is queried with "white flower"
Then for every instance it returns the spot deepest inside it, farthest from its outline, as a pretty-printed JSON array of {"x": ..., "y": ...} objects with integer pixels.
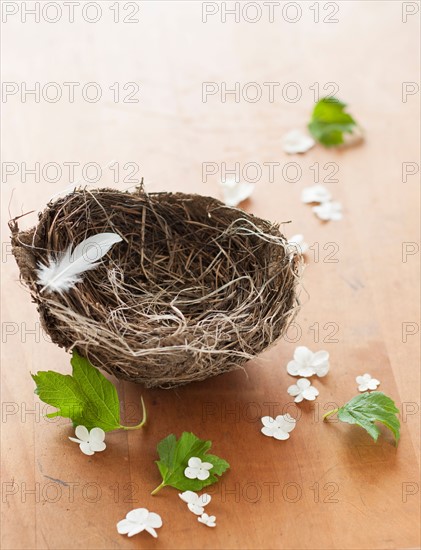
[
  {"x": 330, "y": 210},
  {"x": 195, "y": 502},
  {"x": 306, "y": 363},
  {"x": 90, "y": 442},
  {"x": 198, "y": 469},
  {"x": 297, "y": 142},
  {"x": 315, "y": 193},
  {"x": 138, "y": 520},
  {"x": 210, "y": 521},
  {"x": 296, "y": 244},
  {"x": 278, "y": 427},
  {"x": 303, "y": 390},
  {"x": 365, "y": 382},
  {"x": 236, "y": 192}
]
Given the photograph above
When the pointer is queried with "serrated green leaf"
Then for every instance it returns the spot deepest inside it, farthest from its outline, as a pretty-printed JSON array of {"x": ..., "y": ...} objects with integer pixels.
[
  {"x": 329, "y": 122},
  {"x": 86, "y": 397},
  {"x": 366, "y": 409},
  {"x": 173, "y": 460}
]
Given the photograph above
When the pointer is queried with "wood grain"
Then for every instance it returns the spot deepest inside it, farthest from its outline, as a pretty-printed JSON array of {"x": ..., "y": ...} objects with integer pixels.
[{"x": 329, "y": 486}]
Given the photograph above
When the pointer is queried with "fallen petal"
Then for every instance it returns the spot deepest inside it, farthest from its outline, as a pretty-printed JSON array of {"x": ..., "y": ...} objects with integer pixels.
[
  {"x": 82, "y": 433},
  {"x": 296, "y": 141}
]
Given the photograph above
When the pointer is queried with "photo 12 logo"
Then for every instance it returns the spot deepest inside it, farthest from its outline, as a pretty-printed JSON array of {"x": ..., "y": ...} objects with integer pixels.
[
  {"x": 69, "y": 12},
  {"x": 272, "y": 12},
  {"x": 70, "y": 92},
  {"x": 72, "y": 172}
]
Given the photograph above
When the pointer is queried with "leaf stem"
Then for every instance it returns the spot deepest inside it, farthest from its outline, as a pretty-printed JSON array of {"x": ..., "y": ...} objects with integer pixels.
[
  {"x": 144, "y": 418},
  {"x": 158, "y": 488},
  {"x": 333, "y": 411}
]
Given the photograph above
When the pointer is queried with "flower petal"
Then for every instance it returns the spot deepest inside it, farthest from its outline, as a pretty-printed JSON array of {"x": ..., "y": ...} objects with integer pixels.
[
  {"x": 267, "y": 421},
  {"x": 293, "y": 390},
  {"x": 189, "y": 496},
  {"x": 303, "y": 384},
  {"x": 299, "y": 398},
  {"x": 195, "y": 508},
  {"x": 303, "y": 355},
  {"x": 306, "y": 371},
  {"x": 285, "y": 422},
  {"x": 124, "y": 526},
  {"x": 296, "y": 141},
  {"x": 203, "y": 474},
  {"x": 207, "y": 465},
  {"x": 191, "y": 473},
  {"x": 138, "y": 515},
  {"x": 96, "y": 435},
  {"x": 315, "y": 193},
  {"x": 136, "y": 528},
  {"x": 76, "y": 440},
  {"x": 86, "y": 449},
  {"x": 210, "y": 521},
  {"x": 236, "y": 192},
  {"x": 292, "y": 368},
  {"x": 82, "y": 433},
  {"x": 320, "y": 358},
  {"x": 322, "y": 370},
  {"x": 280, "y": 435},
  {"x": 195, "y": 462},
  {"x": 154, "y": 520},
  {"x": 151, "y": 531},
  {"x": 310, "y": 393},
  {"x": 267, "y": 431},
  {"x": 97, "y": 446},
  {"x": 204, "y": 499}
]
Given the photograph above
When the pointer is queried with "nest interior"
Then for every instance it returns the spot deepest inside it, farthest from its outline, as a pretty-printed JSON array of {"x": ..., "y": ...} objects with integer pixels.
[{"x": 195, "y": 288}]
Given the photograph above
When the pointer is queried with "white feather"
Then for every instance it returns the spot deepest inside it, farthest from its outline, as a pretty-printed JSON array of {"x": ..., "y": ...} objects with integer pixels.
[{"x": 63, "y": 273}]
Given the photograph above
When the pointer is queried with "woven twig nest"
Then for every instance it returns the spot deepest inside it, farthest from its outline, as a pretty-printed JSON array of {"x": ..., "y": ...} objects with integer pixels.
[{"x": 195, "y": 288}]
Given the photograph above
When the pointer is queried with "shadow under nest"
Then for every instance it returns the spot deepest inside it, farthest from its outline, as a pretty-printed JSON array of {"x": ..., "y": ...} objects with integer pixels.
[{"x": 195, "y": 288}]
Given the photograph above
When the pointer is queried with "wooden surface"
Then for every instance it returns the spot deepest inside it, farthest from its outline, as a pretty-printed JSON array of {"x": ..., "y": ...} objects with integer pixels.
[{"x": 329, "y": 486}]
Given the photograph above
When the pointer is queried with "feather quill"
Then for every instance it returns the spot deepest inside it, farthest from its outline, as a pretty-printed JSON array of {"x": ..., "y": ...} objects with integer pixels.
[{"x": 62, "y": 273}]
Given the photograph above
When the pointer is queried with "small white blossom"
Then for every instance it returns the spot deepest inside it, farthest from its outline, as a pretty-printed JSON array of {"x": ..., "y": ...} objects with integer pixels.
[
  {"x": 90, "y": 442},
  {"x": 366, "y": 382},
  {"x": 236, "y": 192},
  {"x": 278, "y": 427},
  {"x": 330, "y": 210},
  {"x": 195, "y": 502},
  {"x": 315, "y": 193},
  {"x": 210, "y": 521},
  {"x": 139, "y": 520},
  {"x": 296, "y": 244},
  {"x": 306, "y": 363},
  {"x": 303, "y": 390},
  {"x": 198, "y": 469},
  {"x": 296, "y": 141}
]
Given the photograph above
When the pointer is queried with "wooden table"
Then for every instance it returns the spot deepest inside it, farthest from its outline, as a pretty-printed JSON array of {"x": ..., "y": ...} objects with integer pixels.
[{"x": 329, "y": 486}]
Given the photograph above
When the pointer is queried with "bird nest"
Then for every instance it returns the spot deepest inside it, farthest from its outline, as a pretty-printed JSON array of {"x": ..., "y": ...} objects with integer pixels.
[{"x": 194, "y": 289}]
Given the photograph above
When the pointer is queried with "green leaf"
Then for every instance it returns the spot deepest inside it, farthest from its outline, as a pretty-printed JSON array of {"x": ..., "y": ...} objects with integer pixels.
[
  {"x": 86, "y": 397},
  {"x": 366, "y": 409},
  {"x": 329, "y": 122},
  {"x": 174, "y": 456}
]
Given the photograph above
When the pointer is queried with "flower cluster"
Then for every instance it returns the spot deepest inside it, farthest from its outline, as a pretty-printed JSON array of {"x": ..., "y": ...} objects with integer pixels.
[
  {"x": 196, "y": 504},
  {"x": 326, "y": 209}
]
